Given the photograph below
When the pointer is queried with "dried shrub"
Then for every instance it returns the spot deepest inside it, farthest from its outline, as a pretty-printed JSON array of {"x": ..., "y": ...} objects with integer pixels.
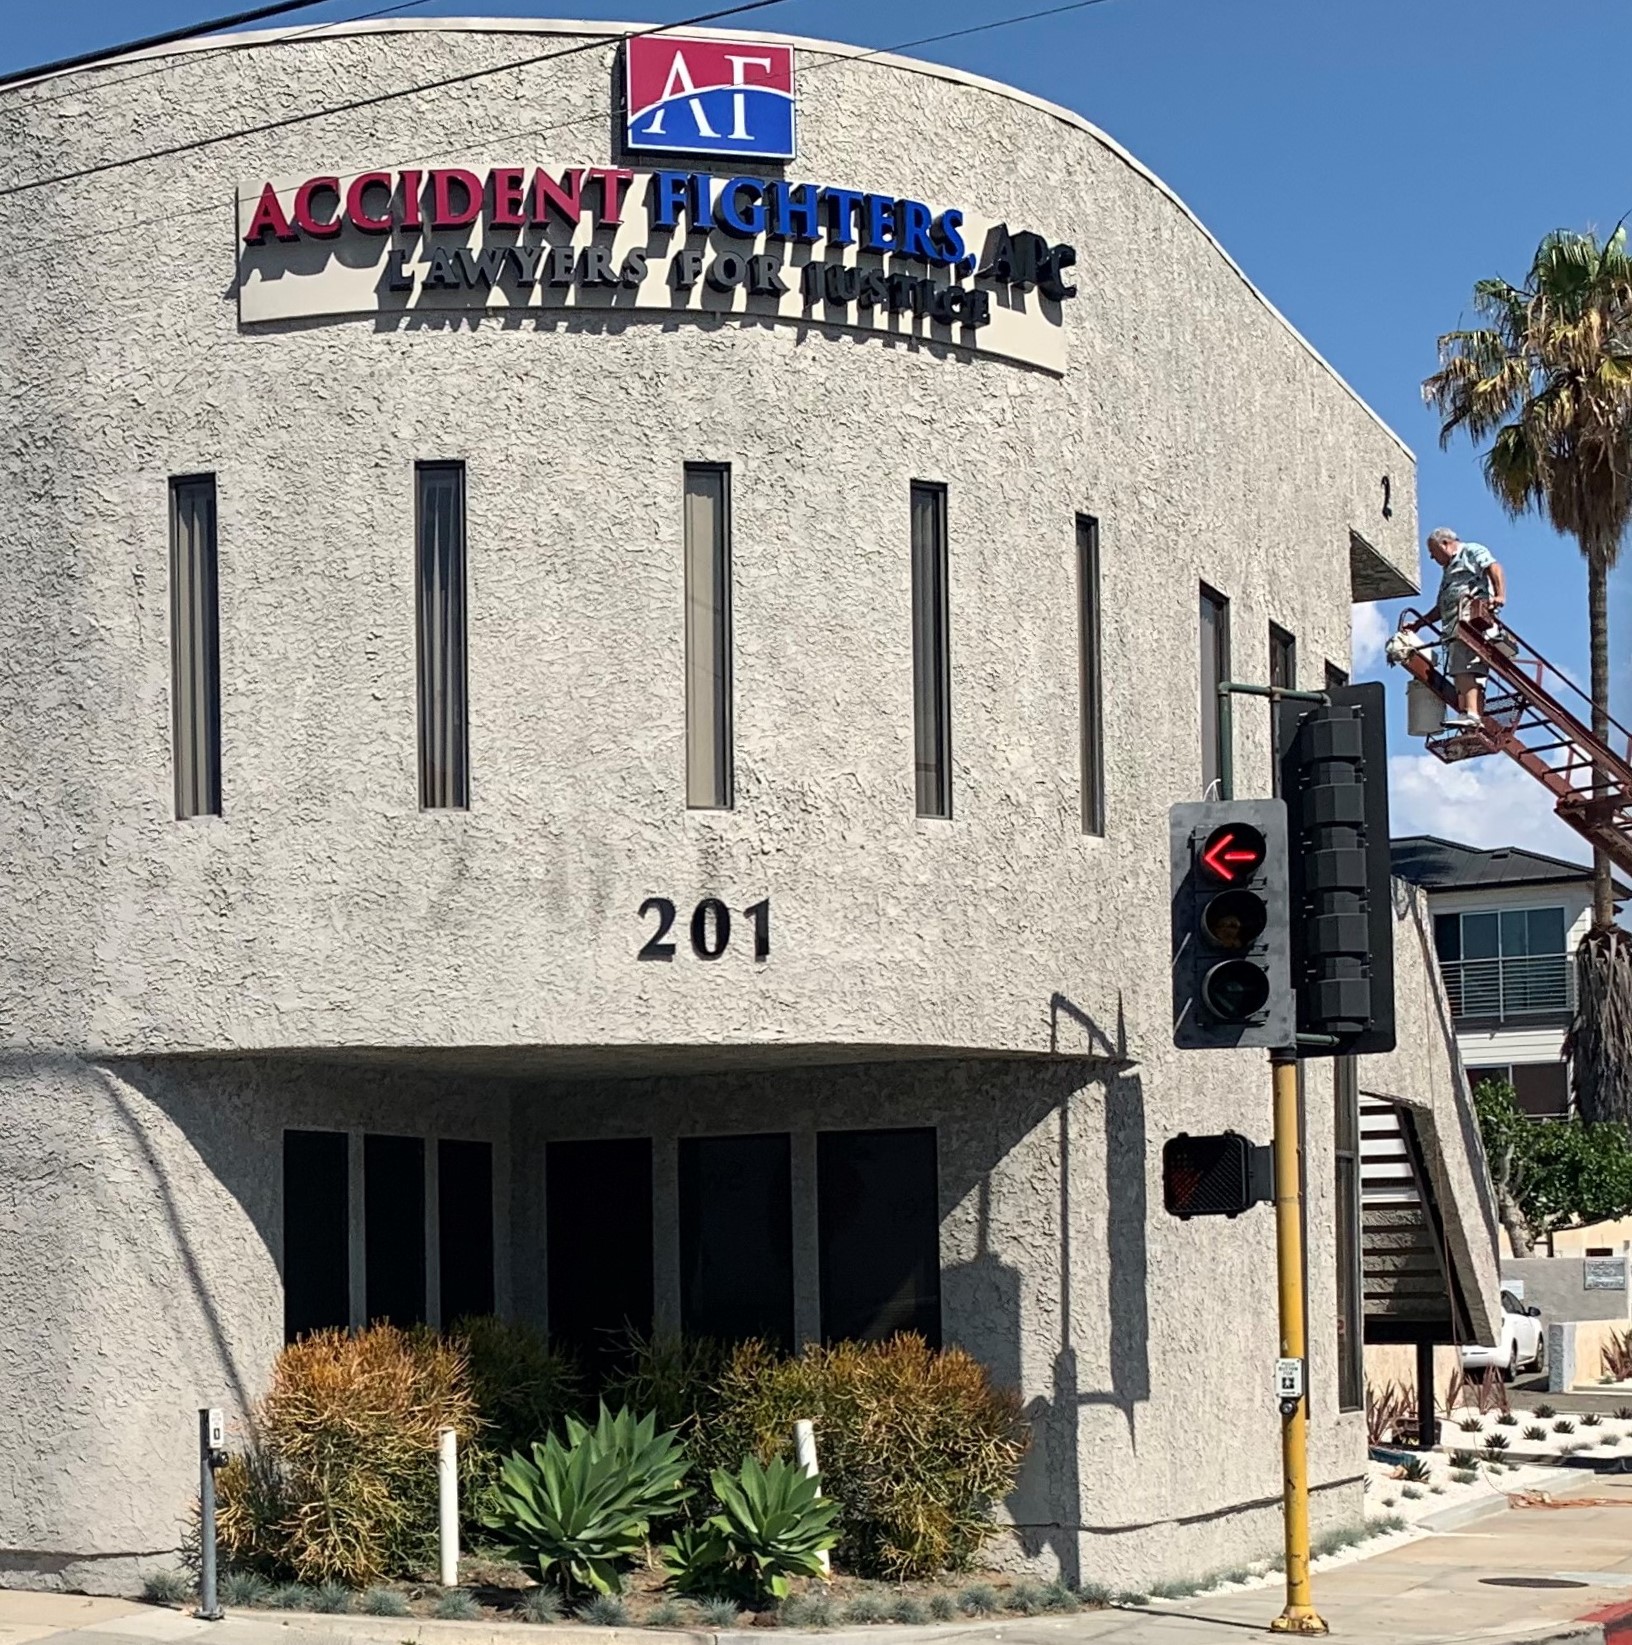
[
  {"x": 1390, "y": 1412},
  {"x": 1617, "y": 1355},
  {"x": 340, "y": 1482},
  {"x": 1490, "y": 1392}
]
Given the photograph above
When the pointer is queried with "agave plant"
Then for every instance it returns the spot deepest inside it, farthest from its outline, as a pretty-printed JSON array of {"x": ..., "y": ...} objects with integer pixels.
[
  {"x": 575, "y": 1512},
  {"x": 775, "y": 1526}
]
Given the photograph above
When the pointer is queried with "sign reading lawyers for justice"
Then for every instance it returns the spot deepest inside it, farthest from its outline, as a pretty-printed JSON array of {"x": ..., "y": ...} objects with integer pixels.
[{"x": 606, "y": 239}]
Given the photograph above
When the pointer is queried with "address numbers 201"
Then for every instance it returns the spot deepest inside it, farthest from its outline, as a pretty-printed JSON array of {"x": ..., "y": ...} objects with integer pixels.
[{"x": 710, "y": 928}]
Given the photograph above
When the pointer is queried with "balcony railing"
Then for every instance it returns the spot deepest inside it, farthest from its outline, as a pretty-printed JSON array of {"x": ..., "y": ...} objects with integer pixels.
[{"x": 1530, "y": 986}]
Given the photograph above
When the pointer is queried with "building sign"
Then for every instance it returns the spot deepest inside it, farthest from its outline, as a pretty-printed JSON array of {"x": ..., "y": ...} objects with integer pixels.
[
  {"x": 1603, "y": 1273},
  {"x": 684, "y": 243},
  {"x": 727, "y": 97}
]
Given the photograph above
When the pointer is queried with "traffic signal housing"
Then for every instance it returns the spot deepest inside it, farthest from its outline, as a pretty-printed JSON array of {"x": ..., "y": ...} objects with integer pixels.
[
  {"x": 1231, "y": 962},
  {"x": 1334, "y": 777},
  {"x": 1214, "y": 1176}
]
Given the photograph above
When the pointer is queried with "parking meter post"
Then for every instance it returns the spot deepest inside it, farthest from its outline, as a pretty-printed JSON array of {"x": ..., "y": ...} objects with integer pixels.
[
  {"x": 209, "y": 1607},
  {"x": 1300, "y": 1615}
]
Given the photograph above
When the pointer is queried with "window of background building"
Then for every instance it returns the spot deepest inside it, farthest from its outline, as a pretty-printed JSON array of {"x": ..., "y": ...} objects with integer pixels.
[
  {"x": 444, "y": 732},
  {"x": 1335, "y": 676},
  {"x": 1351, "y": 1371},
  {"x": 1215, "y": 670},
  {"x": 1504, "y": 963},
  {"x": 323, "y": 1222},
  {"x": 1541, "y": 1089},
  {"x": 708, "y": 636},
  {"x": 598, "y": 1229},
  {"x": 736, "y": 1238},
  {"x": 931, "y": 652},
  {"x": 878, "y": 1234},
  {"x": 1283, "y": 671},
  {"x": 1093, "y": 718},
  {"x": 195, "y": 647}
]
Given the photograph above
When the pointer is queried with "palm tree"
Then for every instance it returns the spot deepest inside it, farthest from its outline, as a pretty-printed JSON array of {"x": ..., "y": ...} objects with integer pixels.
[{"x": 1547, "y": 380}]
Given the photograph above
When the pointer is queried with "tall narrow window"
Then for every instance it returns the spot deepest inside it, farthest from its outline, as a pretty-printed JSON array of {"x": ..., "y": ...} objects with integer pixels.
[
  {"x": 1283, "y": 671},
  {"x": 736, "y": 1238},
  {"x": 598, "y": 1231},
  {"x": 316, "y": 1232},
  {"x": 464, "y": 1203},
  {"x": 394, "y": 1229},
  {"x": 1336, "y": 676},
  {"x": 931, "y": 653},
  {"x": 195, "y": 654},
  {"x": 444, "y": 737},
  {"x": 1093, "y": 718},
  {"x": 1215, "y": 670},
  {"x": 878, "y": 1234},
  {"x": 708, "y": 636},
  {"x": 1351, "y": 1373}
]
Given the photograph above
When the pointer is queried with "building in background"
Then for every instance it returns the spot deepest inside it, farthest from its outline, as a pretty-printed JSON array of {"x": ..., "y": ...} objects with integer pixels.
[{"x": 1506, "y": 924}]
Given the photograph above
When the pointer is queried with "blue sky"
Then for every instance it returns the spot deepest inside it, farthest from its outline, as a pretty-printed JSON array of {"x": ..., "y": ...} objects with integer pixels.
[{"x": 1364, "y": 163}]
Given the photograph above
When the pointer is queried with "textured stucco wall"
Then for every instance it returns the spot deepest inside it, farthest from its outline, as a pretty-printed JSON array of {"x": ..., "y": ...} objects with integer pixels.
[{"x": 324, "y": 911}]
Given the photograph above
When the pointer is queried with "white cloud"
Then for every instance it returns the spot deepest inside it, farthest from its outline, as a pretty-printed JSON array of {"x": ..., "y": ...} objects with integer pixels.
[
  {"x": 1369, "y": 635},
  {"x": 1483, "y": 802}
]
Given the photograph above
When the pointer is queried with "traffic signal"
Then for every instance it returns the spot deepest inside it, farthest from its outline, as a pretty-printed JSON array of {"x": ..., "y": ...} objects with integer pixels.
[
  {"x": 1231, "y": 974},
  {"x": 1334, "y": 776},
  {"x": 1217, "y": 1176}
]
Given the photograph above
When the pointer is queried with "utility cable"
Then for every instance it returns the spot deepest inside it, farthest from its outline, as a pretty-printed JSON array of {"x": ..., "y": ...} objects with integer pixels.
[{"x": 169, "y": 37}]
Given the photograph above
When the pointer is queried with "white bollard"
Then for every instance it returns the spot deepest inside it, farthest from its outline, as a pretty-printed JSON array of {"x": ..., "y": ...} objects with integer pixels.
[
  {"x": 447, "y": 1503},
  {"x": 804, "y": 1452}
]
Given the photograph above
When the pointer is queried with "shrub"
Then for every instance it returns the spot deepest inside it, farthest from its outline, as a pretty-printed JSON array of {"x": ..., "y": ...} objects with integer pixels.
[
  {"x": 457, "y": 1605},
  {"x": 978, "y": 1599},
  {"x": 905, "y": 1608},
  {"x": 167, "y": 1588},
  {"x": 1545, "y": 1411},
  {"x": 1563, "y": 1426},
  {"x": 866, "y": 1607},
  {"x": 340, "y": 1485},
  {"x": 1497, "y": 1442},
  {"x": 719, "y": 1613},
  {"x": 1507, "y": 1419},
  {"x": 943, "y": 1607},
  {"x": 667, "y": 1613},
  {"x": 1617, "y": 1355},
  {"x": 244, "y": 1589},
  {"x": 1411, "y": 1493},
  {"x": 1389, "y": 1410},
  {"x": 915, "y": 1444},
  {"x": 1464, "y": 1476},
  {"x": 1534, "y": 1430},
  {"x": 1470, "y": 1425},
  {"x": 1058, "y": 1597},
  {"x": 540, "y": 1605},
  {"x": 1098, "y": 1595},
  {"x": 1416, "y": 1469},
  {"x": 290, "y": 1596},
  {"x": 332, "y": 1598},
  {"x": 1025, "y": 1599},
  {"x": 809, "y": 1611},
  {"x": 1591, "y": 1420},
  {"x": 1623, "y": 1413},
  {"x": 775, "y": 1526},
  {"x": 604, "y": 1611},
  {"x": 1464, "y": 1459},
  {"x": 383, "y": 1602},
  {"x": 578, "y": 1510},
  {"x": 1132, "y": 1596}
]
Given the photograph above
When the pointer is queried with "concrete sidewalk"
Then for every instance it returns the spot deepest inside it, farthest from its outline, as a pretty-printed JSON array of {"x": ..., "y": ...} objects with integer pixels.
[{"x": 1519, "y": 1577}]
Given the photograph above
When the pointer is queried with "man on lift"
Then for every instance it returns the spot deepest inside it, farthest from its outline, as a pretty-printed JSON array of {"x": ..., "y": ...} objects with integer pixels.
[{"x": 1469, "y": 571}]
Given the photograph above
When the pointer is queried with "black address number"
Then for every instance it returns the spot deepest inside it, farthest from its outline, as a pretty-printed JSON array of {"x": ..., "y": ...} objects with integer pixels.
[{"x": 710, "y": 928}]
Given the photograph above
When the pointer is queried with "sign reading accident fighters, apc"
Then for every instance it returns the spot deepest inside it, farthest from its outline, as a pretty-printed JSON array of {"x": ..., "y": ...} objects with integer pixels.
[
  {"x": 602, "y": 240},
  {"x": 709, "y": 97}
]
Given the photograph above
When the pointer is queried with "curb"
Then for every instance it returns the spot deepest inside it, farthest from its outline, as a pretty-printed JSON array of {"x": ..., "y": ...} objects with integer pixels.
[{"x": 1467, "y": 1513}]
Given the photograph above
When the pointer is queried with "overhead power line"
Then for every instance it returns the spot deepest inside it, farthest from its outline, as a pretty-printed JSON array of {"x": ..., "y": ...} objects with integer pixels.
[{"x": 168, "y": 38}]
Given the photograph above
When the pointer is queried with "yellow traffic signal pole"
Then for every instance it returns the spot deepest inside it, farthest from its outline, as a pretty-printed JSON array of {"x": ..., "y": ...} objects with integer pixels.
[{"x": 1300, "y": 1615}]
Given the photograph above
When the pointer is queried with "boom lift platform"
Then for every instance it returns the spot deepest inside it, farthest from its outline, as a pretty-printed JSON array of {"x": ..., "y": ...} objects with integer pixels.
[{"x": 1535, "y": 714}]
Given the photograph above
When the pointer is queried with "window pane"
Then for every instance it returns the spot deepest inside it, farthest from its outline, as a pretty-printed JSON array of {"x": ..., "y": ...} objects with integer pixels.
[
  {"x": 1215, "y": 669},
  {"x": 464, "y": 1213},
  {"x": 1448, "y": 936},
  {"x": 394, "y": 1229},
  {"x": 1515, "y": 937},
  {"x": 1477, "y": 1076},
  {"x": 736, "y": 1238},
  {"x": 444, "y": 752},
  {"x": 708, "y": 636},
  {"x": 931, "y": 663},
  {"x": 598, "y": 1228},
  {"x": 878, "y": 1234},
  {"x": 1093, "y": 722},
  {"x": 195, "y": 661},
  {"x": 1547, "y": 931},
  {"x": 1283, "y": 658},
  {"x": 1336, "y": 676},
  {"x": 1542, "y": 1088},
  {"x": 1478, "y": 936},
  {"x": 316, "y": 1232}
]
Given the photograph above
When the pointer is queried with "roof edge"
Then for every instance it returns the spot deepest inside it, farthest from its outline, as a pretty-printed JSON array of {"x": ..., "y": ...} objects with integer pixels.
[{"x": 613, "y": 31}]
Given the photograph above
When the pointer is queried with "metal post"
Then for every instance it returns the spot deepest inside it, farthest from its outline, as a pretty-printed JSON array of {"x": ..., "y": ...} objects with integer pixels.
[
  {"x": 447, "y": 1504},
  {"x": 1299, "y": 1616},
  {"x": 1427, "y": 1417},
  {"x": 804, "y": 1452},
  {"x": 209, "y": 1440}
]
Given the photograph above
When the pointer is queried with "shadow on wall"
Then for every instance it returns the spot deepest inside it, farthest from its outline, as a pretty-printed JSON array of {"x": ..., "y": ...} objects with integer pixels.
[{"x": 1046, "y": 1505}]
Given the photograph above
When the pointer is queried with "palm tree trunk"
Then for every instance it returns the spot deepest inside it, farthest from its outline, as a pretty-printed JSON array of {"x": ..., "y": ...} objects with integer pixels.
[{"x": 1603, "y": 899}]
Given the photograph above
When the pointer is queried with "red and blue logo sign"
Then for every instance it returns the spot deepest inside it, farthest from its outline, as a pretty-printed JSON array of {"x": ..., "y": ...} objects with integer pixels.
[{"x": 709, "y": 97}]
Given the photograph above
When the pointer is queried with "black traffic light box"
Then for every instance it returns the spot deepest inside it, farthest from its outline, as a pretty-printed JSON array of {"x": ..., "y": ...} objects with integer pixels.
[
  {"x": 1214, "y": 1176},
  {"x": 1334, "y": 777},
  {"x": 1231, "y": 960}
]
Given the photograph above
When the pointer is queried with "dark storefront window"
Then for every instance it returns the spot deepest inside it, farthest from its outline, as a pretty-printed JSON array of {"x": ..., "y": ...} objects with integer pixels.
[
  {"x": 599, "y": 1233},
  {"x": 1351, "y": 1374},
  {"x": 316, "y": 1231},
  {"x": 444, "y": 732},
  {"x": 464, "y": 1192},
  {"x": 878, "y": 1234},
  {"x": 394, "y": 1229},
  {"x": 1215, "y": 669},
  {"x": 1283, "y": 672},
  {"x": 931, "y": 653},
  {"x": 736, "y": 1238},
  {"x": 1093, "y": 718},
  {"x": 195, "y": 647}
]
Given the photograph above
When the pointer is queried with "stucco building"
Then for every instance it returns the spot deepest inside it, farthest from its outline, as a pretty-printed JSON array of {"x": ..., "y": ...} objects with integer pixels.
[{"x": 565, "y": 759}]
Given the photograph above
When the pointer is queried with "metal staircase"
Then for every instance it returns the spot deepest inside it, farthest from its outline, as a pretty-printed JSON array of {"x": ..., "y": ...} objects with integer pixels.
[{"x": 1535, "y": 714}]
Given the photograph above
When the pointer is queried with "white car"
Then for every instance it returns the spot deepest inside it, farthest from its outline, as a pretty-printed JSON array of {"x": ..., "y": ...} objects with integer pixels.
[{"x": 1522, "y": 1343}]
